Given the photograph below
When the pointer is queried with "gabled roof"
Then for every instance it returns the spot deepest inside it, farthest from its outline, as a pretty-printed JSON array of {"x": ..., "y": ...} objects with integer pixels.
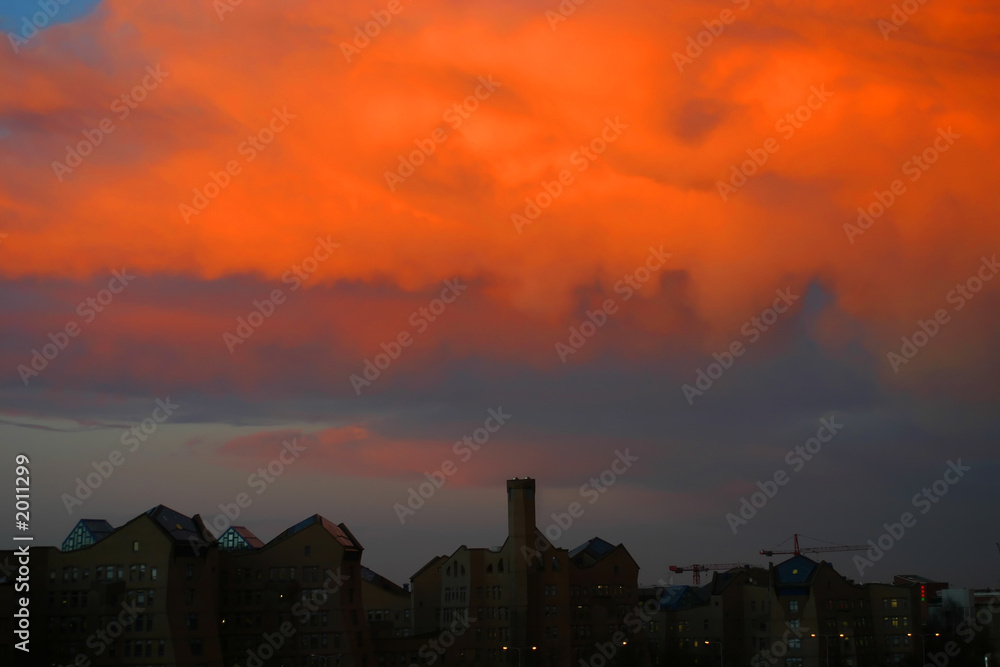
[
  {"x": 340, "y": 532},
  {"x": 178, "y": 526},
  {"x": 85, "y": 533},
  {"x": 432, "y": 562},
  {"x": 591, "y": 551},
  {"x": 239, "y": 538},
  {"x": 675, "y": 598},
  {"x": 795, "y": 575}
]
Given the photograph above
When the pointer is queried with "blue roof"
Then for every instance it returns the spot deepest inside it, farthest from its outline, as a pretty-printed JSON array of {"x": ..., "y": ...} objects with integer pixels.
[
  {"x": 596, "y": 548},
  {"x": 795, "y": 570},
  {"x": 99, "y": 528},
  {"x": 675, "y": 598},
  {"x": 179, "y": 526},
  {"x": 672, "y": 596},
  {"x": 239, "y": 538},
  {"x": 85, "y": 533}
]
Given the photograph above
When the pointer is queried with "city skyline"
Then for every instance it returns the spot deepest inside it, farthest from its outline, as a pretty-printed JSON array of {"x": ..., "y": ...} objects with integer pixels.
[{"x": 717, "y": 272}]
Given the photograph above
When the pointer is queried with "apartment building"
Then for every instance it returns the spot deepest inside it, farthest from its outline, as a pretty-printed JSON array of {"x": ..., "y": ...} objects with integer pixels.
[
  {"x": 529, "y": 602},
  {"x": 298, "y": 598}
]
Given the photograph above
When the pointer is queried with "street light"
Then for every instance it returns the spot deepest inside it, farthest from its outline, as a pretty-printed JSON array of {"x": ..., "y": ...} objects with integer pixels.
[
  {"x": 722, "y": 648},
  {"x": 923, "y": 639},
  {"x": 519, "y": 649},
  {"x": 827, "y": 664}
]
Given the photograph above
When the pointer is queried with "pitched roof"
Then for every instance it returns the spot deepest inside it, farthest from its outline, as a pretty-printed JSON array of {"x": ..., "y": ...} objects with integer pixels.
[
  {"x": 591, "y": 551},
  {"x": 433, "y": 561},
  {"x": 376, "y": 579},
  {"x": 239, "y": 538},
  {"x": 675, "y": 598},
  {"x": 795, "y": 575},
  {"x": 99, "y": 528},
  {"x": 340, "y": 532},
  {"x": 87, "y": 532},
  {"x": 179, "y": 526}
]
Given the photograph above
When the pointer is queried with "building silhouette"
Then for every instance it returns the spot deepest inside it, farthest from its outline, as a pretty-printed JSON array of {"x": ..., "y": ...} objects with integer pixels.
[{"x": 163, "y": 590}]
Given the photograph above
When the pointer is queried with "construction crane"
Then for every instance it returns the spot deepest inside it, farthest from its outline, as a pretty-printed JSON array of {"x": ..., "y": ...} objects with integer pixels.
[
  {"x": 813, "y": 550},
  {"x": 696, "y": 570}
]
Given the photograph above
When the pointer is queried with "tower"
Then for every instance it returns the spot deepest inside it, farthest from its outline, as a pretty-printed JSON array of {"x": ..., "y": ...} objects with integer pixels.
[
  {"x": 521, "y": 575},
  {"x": 521, "y": 512}
]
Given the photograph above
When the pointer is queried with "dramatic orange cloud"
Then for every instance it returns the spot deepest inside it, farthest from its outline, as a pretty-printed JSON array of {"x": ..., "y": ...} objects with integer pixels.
[{"x": 682, "y": 118}]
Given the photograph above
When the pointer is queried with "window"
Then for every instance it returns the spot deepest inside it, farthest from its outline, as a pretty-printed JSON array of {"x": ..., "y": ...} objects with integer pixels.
[
  {"x": 189, "y": 572},
  {"x": 308, "y": 550},
  {"x": 195, "y": 647},
  {"x": 793, "y": 605},
  {"x": 135, "y": 546},
  {"x": 152, "y": 573}
]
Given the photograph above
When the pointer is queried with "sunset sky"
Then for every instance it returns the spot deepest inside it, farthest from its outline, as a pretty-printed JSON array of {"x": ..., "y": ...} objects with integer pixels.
[{"x": 362, "y": 243}]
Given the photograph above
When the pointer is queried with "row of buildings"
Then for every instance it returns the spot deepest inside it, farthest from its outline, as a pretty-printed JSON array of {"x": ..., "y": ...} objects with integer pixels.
[{"x": 162, "y": 590}]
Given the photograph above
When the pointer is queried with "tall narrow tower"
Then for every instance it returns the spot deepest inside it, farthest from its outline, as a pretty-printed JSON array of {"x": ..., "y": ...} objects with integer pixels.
[
  {"x": 521, "y": 512},
  {"x": 522, "y": 576}
]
